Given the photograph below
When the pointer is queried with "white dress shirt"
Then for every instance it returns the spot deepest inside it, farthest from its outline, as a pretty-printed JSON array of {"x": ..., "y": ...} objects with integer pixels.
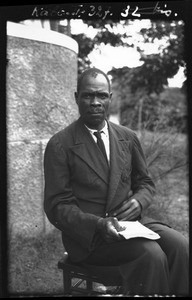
[{"x": 104, "y": 136}]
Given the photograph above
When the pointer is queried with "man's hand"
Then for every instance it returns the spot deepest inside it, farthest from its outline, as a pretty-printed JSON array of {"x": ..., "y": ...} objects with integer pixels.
[
  {"x": 108, "y": 228},
  {"x": 129, "y": 210}
]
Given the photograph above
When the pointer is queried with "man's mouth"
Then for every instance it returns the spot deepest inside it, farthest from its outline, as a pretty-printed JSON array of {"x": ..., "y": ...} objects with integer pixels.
[{"x": 96, "y": 112}]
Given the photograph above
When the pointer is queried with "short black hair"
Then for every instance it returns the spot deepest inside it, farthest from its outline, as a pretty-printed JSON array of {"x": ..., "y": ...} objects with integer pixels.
[{"x": 92, "y": 72}]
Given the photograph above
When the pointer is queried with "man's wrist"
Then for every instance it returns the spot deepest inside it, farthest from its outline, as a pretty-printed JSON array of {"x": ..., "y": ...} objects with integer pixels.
[
  {"x": 140, "y": 205},
  {"x": 99, "y": 224}
]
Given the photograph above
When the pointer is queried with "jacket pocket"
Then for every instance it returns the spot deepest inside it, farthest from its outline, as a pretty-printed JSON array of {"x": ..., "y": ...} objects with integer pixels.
[{"x": 126, "y": 173}]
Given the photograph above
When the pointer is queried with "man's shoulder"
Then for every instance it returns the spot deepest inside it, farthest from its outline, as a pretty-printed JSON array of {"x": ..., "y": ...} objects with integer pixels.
[
  {"x": 64, "y": 134},
  {"x": 122, "y": 130}
]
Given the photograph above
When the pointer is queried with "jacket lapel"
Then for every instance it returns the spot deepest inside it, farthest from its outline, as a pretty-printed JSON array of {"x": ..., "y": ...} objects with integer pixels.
[
  {"x": 118, "y": 148},
  {"x": 86, "y": 148}
]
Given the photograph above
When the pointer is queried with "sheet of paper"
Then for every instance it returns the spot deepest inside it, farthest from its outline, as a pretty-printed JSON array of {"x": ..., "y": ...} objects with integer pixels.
[{"x": 135, "y": 229}]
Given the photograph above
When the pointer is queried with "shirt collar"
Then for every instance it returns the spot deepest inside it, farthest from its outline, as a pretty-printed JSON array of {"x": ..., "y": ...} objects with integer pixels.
[{"x": 104, "y": 129}]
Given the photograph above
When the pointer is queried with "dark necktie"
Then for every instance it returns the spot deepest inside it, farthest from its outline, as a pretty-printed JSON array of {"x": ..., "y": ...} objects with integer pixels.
[{"x": 100, "y": 143}]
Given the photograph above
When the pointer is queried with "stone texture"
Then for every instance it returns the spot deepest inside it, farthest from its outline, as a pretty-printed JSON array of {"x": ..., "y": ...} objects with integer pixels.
[
  {"x": 41, "y": 81},
  {"x": 25, "y": 188}
]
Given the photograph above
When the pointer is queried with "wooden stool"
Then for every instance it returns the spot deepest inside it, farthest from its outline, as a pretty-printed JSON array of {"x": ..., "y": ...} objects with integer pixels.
[{"x": 86, "y": 276}]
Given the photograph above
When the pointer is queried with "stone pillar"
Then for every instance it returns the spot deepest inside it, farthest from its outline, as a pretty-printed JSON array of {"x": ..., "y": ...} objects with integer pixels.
[{"x": 41, "y": 81}]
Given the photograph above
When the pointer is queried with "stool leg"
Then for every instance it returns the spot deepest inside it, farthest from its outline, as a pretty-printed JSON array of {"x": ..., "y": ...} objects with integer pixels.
[
  {"x": 66, "y": 282},
  {"x": 89, "y": 284}
]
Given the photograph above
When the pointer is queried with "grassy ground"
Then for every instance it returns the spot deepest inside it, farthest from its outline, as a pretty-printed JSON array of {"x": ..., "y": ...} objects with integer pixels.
[
  {"x": 33, "y": 262},
  {"x": 33, "y": 265},
  {"x": 173, "y": 208}
]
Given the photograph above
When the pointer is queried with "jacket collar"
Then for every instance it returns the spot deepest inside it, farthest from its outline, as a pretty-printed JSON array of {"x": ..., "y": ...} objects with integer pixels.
[{"x": 86, "y": 149}]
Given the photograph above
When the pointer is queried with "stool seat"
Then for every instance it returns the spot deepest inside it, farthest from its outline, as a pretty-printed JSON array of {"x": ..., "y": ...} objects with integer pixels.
[{"x": 79, "y": 278}]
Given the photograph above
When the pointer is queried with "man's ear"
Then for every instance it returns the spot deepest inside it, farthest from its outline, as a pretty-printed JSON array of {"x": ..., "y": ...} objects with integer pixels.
[
  {"x": 76, "y": 97},
  {"x": 110, "y": 96}
]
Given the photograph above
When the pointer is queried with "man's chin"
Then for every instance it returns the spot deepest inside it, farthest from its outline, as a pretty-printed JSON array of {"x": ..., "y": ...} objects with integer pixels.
[{"x": 95, "y": 122}]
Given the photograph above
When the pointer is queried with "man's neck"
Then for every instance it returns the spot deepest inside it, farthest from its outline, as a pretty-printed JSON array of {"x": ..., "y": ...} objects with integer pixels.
[{"x": 97, "y": 129}]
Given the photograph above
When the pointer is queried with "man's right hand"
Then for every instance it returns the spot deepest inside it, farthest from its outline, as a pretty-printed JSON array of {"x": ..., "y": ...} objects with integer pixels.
[{"x": 109, "y": 228}]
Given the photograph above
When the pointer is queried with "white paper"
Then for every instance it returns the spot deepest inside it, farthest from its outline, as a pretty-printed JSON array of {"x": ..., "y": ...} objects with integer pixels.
[{"x": 135, "y": 229}]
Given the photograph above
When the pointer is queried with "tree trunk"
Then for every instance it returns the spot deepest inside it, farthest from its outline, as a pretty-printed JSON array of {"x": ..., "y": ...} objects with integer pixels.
[
  {"x": 68, "y": 27},
  {"x": 140, "y": 114}
]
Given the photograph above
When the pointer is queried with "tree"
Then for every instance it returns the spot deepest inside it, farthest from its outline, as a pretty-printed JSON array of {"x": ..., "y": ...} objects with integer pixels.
[
  {"x": 157, "y": 68},
  {"x": 105, "y": 34},
  {"x": 146, "y": 82},
  {"x": 163, "y": 65},
  {"x": 167, "y": 109}
]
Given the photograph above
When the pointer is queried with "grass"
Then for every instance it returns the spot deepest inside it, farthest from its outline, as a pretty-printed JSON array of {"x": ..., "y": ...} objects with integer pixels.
[
  {"x": 33, "y": 265},
  {"x": 167, "y": 159},
  {"x": 33, "y": 261},
  {"x": 173, "y": 207}
]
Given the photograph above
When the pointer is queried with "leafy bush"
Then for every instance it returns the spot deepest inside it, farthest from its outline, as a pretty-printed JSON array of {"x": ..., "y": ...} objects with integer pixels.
[
  {"x": 166, "y": 110},
  {"x": 167, "y": 159}
]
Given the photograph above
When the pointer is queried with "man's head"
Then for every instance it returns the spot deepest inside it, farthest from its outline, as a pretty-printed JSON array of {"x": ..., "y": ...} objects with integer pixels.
[{"x": 93, "y": 97}]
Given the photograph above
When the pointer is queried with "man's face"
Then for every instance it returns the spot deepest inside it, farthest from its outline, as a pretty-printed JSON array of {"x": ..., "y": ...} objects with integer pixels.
[{"x": 93, "y": 100}]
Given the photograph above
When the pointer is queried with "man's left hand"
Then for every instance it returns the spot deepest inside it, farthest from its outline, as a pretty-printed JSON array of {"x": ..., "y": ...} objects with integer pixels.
[{"x": 129, "y": 210}]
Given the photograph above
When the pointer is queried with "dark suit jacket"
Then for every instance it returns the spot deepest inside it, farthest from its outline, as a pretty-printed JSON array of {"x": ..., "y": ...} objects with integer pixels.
[{"x": 80, "y": 188}]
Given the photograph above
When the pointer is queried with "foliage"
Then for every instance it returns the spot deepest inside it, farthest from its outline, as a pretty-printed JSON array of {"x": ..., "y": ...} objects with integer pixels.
[
  {"x": 173, "y": 33},
  {"x": 168, "y": 111},
  {"x": 173, "y": 109},
  {"x": 156, "y": 68},
  {"x": 167, "y": 159},
  {"x": 169, "y": 106},
  {"x": 86, "y": 45},
  {"x": 150, "y": 79},
  {"x": 105, "y": 35}
]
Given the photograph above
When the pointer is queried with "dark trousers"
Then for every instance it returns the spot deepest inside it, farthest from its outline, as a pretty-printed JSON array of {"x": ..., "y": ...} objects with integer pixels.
[{"x": 148, "y": 267}]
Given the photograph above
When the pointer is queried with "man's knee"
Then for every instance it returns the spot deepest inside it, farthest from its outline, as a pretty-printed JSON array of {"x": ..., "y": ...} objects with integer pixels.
[
  {"x": 154, "y": 255},
  {"x": 174, "y": 243}
]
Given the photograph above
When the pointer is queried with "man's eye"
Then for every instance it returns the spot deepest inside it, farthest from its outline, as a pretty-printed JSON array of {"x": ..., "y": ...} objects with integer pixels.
[
  {"x": 100, "y": 96},
  {"x": 87, "y": 96},
  {"x": 103, "y": 96}
]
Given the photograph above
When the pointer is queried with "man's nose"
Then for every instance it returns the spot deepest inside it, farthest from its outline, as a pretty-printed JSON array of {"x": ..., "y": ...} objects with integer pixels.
[{"x": 95, "y": 101}]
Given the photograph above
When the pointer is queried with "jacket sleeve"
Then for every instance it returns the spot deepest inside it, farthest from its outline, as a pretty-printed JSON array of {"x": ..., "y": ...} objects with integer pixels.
[
  {"x": 142, "y": 185},
  {"x": 60, "y": 205}
]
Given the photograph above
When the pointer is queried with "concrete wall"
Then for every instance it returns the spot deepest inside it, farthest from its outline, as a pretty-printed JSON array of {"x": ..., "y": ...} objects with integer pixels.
[{"x": 41, "y": 80}]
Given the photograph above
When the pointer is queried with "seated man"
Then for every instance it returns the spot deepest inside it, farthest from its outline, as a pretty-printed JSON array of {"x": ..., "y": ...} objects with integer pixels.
[{"x": 87, "y": 193}]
